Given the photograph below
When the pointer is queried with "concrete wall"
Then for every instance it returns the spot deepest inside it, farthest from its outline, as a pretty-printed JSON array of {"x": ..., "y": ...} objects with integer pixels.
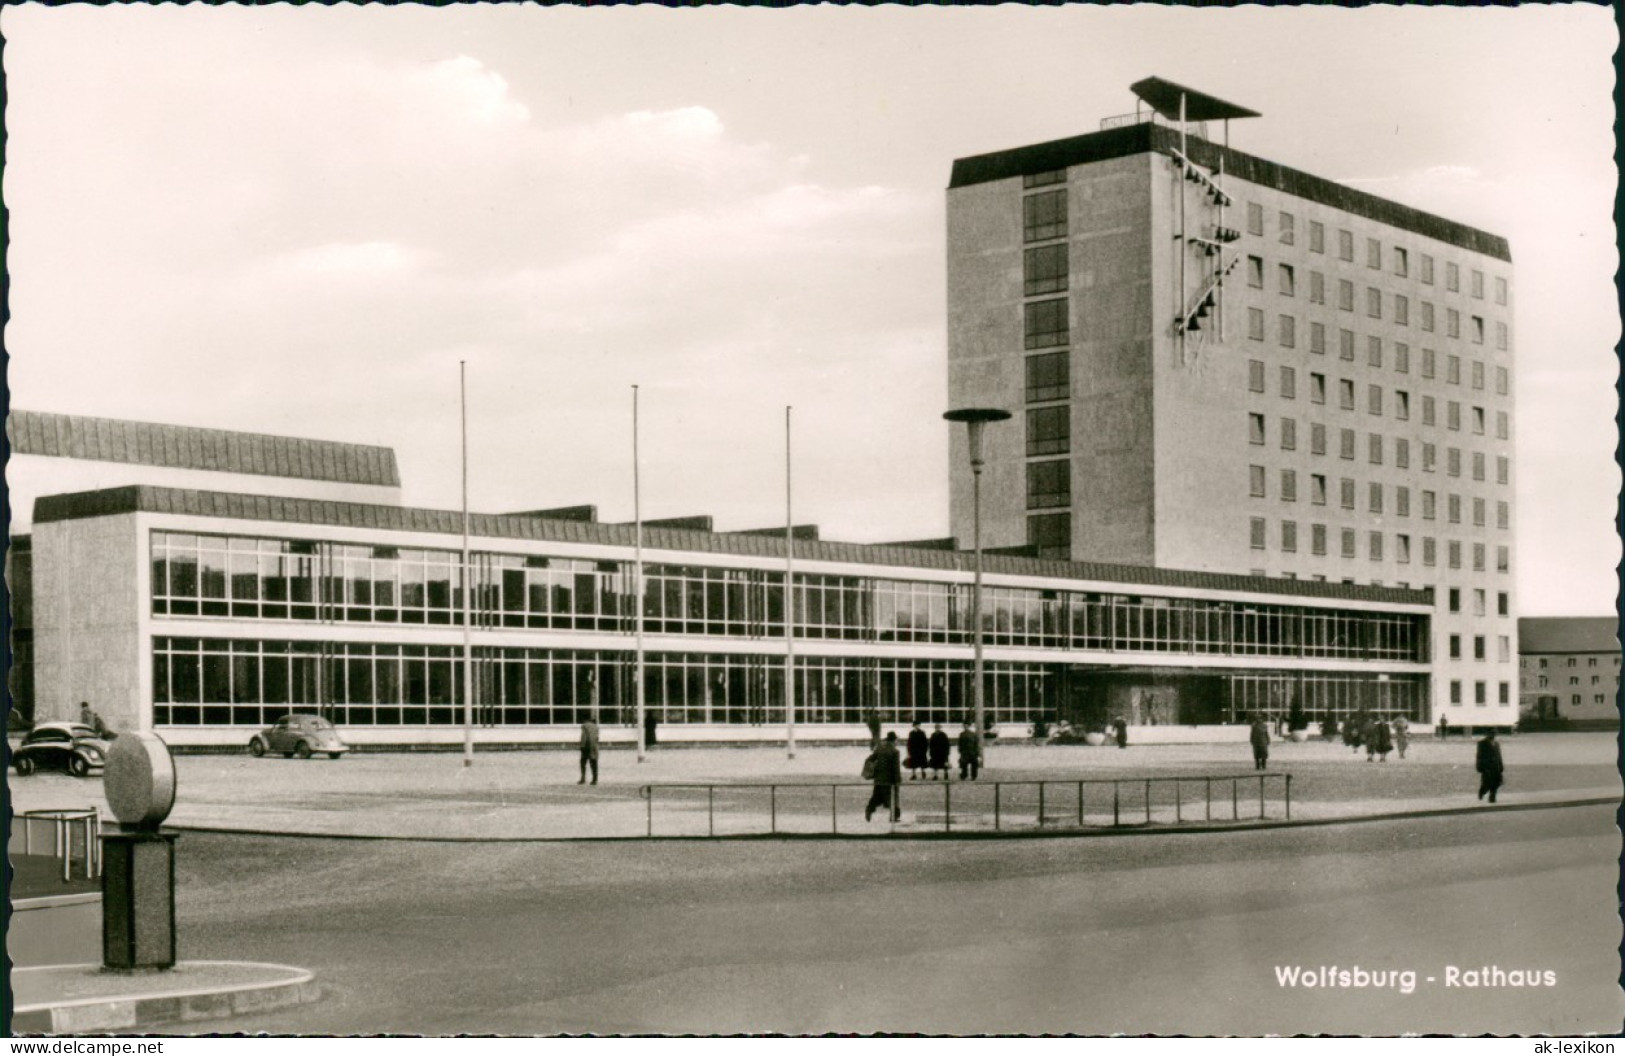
[{"x": 88, "y": 607}]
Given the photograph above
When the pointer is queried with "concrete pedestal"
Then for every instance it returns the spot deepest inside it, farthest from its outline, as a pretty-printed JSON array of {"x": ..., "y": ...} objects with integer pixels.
[{"x": 138, "y": 900}]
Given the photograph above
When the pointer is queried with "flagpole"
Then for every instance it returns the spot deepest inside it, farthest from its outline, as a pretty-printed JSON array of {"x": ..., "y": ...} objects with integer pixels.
[
  {"x": 789, "y": 603},
  {"x": 468, "y": 582},
  {"x": 637, "y": 577}
]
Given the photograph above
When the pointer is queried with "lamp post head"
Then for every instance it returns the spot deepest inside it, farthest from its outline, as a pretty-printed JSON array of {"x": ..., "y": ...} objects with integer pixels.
[{"x": 975, "y": 418}]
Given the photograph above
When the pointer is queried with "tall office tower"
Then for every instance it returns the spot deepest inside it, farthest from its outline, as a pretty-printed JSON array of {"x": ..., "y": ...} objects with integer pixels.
[{"x": 1220, "y": 363}]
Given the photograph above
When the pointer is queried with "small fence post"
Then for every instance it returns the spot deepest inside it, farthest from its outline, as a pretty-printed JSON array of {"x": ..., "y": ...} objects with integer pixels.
[
  {"x": 1261, "y": 796},
  {"x": 1289, "y": 797},
  {"x": 1148, "y": 801},
  {"x": 1235, "y": 801},
  {"x": 834, "y": 819},
  {"x": 1208, "y": 793},
  {"x": 1116, "y": 799},
  {"x": 773, "y": 809},
  {"x": 649, "y": 798},
  {"x": 1080, "y": 804},
  {"x": 1040, "y": 804},
  {"x": 948, "y": 805},
  {"x": 995, "y": 804},
  {"x": 1179, "y": 813}
]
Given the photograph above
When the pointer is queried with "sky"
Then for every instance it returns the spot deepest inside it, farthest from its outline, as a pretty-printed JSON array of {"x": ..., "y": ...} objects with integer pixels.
[{"x": 300, "y": 220}]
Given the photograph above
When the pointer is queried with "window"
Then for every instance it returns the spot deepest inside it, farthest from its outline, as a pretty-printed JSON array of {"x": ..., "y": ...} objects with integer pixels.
[
  {"x": 1501, "y": 425},
  {"x": 1051, "y": 533},
  {"x": 1478, "y": 601},
  {"x": 1430, "y": 458},
  {"x": 1255, "y": 324},
  {"x": 1373, "y": 253},
  {"x": 1044, "y": 215},
  {"x": 1500, "y": 290},
  {"x": 1402, "y": 262},
  {"x": 1374, "y": 449},
  {"x": 1478, "y": 694},
  {"x": 1317, "y": 338},
  {"x": 1289, "y": 434},
  {"x": 1345, "y": 446},
  {"x": 1452, "y": 415},
  {"x": 1427, "y": 363},
  {"x": 1453, "y": 461},
  {"x": 1049, "y": 484},
  {"x": 1046, "y": 323},
  {"x": 1427, "y": 269},
  {"x": 1453, "y": 550},
  {"x": 1503, "y": 469},
  {"x": 1287, "y": 280},
  {"x": 1255, "y": 375},
  {"x": 1255, "y": 428},
  {"x": 1373, "y": 302},
  {"x": 1349, "y": 543},
  {"x": 1289, "y": 383},
  {"x": 1503, "y": 559},
  {"x": 1043, "y": 179},
  {"x": 1478, "y": 421},
  {"x": 1478, "y": 284},
  {"x": 1255, "y": 218},
  {"x": 1317, "y": 288},
  {"x": 1429, "y": 505},
  {"x": 1455, "y": 647},
  {"x": 1317, "y": 388},
  {"x": 1345, "y": 394},
  {"x": 1402, "y": 309},
  {"x": 1452, "y": 277},
  {"x": 1429, "y": 409},
  {"x": 1402, "y": 549},
  {"x": 1375, "y": 497},
  {"x": 1284, "y": 221},
  {"x": 1374, "y": 546},
  {"x": 1476, "y": 328},
  {"x": 1501, "y": 603},
  {"x": 1453, "y": 506},
  {"x": 1317, "y": 489},
  {"x": 1452, "y": 323},
  {"x": 1402, "y": 500},
  {"x": 1346, "y": 493},
  {"x": 1049, "y": 376},
  {"x": 1345, "y": 295},
  {"x": 1455, "y": 691},
  {"x": 1402, "y": 357},
  {"x": 1345, "y": 245},
  {"x": 1317, "y": 237},
  {"x": 1289, "y": 485},
  {"x": 1402, "y": 405},
  {"x": 1477, "y": 374},
  {"x": 1255, "y": 476},
  {"x": 1501, "y": 336},
  {"x": 1345, "y": 345},
  {"x": 1427, "y": 316},
  {"x": 1257, "y": 533},
  {"x": 1430, "y": 551},
  {"x": 1502, "y": 381},
  {"x": 1373, "y": 351},
  {"x": 1049, "y": 430},
  {"x": 1373, "y": 399},
  {"x": 1402, "y": 452},
  {"x": 1287, "y": 332},
  {"x": 1289, "y": 536},
  {"x": 1044, "y": 269},
  {"x": 1317, "y": 541},
  {"x": 1255, "y": 272},
  {"x": 1503, "y": 516}
]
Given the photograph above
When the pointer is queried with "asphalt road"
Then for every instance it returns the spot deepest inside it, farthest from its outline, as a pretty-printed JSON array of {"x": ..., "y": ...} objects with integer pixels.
[{"x": 1132, "y": 934}]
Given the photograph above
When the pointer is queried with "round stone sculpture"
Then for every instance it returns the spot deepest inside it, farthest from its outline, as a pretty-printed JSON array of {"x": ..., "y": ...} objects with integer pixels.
[{"x": 139, "y": 780}]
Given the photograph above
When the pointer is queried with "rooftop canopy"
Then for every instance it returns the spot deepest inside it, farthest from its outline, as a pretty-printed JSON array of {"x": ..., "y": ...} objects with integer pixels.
[{"x": 1163, "y": 97}]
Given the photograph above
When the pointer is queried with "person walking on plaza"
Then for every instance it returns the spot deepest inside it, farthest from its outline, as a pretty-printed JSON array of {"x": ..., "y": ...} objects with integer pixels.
[
  {"x": 1402, "y": 734},
  {"x": 871, "y": 719},
  {"x": 970, "y": 752},
  {"x": 887, "y": 773},
  {"x": 1260, "y": 738},
  {"x": 1490, "y": 767},
  {"x": 589, "y": 751},
  {"x": 1382, "y": 739},
  {"x": 916, "y": 751},
  {"x": 940, "y": 748},
  {"x": 88, "y": 717},
  {"x": 1444, "y": 727},
  {"x": 1120, "y": 727}
]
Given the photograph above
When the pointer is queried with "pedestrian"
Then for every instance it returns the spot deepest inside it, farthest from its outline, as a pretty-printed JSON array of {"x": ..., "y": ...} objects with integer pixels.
[
  {"x": 1490, "y": 767},
  {"x": 1260, "y": 738},
  {"x": 1368, "y": 735},
  {"x": 885, "y": 768},
  {"x": 88, "y": 717},
  {"x": 1351, "y": 733},
  {"x": 1402, "y": 734},
  {"x": 1382, "y": 738},
  {"x": 589, "y": 751},
  {"x": 970, "y": 752},
  {"x": 940, "y": 748},
  {"x": 1120, "y": 725},
  {"x": 871, "y": 719},
  {"x": 916, "y": 751},
  {"x": 1444, "y": 727}
]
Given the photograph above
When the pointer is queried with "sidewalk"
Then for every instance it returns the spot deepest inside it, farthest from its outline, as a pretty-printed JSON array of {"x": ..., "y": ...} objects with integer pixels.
[{"x": 84, "y": 999}]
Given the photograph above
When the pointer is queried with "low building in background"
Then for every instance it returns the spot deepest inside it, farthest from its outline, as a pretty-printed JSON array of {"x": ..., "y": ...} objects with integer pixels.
[{"x": 1569, "y": 671}]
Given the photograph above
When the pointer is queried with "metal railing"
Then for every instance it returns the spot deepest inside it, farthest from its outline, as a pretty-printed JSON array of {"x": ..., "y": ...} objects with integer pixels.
[
  {"x": 801, "y": 808},
  {"x": 67, "y": 830}
]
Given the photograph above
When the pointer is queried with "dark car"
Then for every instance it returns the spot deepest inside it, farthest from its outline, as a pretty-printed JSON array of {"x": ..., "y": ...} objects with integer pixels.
[
  {"x": 301, "y": 735},
  {"x": 66, "y": 746}
]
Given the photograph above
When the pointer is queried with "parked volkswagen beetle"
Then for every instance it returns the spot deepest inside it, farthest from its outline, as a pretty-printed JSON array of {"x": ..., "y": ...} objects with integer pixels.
[
  {"x": 301, "y": 735},
  {"x": 66, "y": 746}
]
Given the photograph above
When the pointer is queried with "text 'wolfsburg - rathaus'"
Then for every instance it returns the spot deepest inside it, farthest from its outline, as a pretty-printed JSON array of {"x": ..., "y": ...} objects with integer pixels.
[{"x": 1260, "y": 457}]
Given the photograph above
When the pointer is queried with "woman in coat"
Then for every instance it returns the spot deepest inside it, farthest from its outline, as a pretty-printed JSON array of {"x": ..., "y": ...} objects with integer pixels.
[
  {"x": 1260, "y": 738},
  {"x": 1382, "y": 739},
  {"x": 1402, "y": 734},
  {"x": 940, "y": 748},
  {"x": 916, "y": 751}
]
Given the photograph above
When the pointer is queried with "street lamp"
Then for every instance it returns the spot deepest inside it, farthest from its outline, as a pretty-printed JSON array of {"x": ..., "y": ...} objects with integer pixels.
[{"x": 975, "y": 418}]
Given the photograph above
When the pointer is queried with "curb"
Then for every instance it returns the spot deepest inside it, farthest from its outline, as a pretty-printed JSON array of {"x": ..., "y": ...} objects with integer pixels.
[
  {"x": 157, "y": 1006},
  {"x": 1136, "y": 829}
]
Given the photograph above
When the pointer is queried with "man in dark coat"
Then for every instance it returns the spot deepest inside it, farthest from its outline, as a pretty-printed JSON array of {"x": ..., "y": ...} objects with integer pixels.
[
  {"x": 1260, "y": 738},
  {"x": 589, "y": 751},
  {"x": 970, "y": 752},
  {"x": 940, "y": 749},
  {"x": 1490, "y": 767},
  {"x": 916, "y": 751},
  {"x": 888, "y": 774},
  {"x": 1120, "y": 727}
]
